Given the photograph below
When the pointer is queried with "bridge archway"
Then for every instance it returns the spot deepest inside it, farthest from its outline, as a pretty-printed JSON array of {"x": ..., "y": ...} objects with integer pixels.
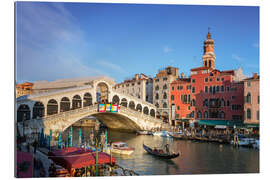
[
  {"x": 124, "y": 102},
  {"x": 23, "y": 113},
  {"x": 139, "y": 107},
  {"x": 131, "y": 105},
  {"x": 102, "y": 91},
  {"x": 146, "y": 110},
  {"x": 87, "y": 100},
  {"x": 115, "y": 99},
  {"x": 64, "y": 104},
  {"x": 52, "y": 107},
  {"x": 152, "y": 112},
  {"x": 76, "y": 102},
  {"x": 38, "y": 110}
]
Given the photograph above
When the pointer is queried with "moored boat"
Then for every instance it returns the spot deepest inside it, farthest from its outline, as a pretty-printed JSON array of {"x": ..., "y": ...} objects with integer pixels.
[
  {"x": 121, "y": 148},
  {"x": 144, "y": 133},
  {"x": 161, "y": 133},
  {"x": 160, "y": 153}
]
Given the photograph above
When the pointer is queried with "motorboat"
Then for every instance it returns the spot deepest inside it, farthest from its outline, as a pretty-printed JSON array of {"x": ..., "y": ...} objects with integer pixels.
[
  {"x": 256, "y": 145},
  {"x": 161, "y": 133},
  {"x": 247, "y": 142},
  {"x": 144, "y": 133},
  {"x": 160, "y": 153},
  {"x": 121, "y": 148}
]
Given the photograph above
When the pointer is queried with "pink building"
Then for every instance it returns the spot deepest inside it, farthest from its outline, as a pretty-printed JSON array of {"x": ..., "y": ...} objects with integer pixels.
[{"x": 252, "y": 100}]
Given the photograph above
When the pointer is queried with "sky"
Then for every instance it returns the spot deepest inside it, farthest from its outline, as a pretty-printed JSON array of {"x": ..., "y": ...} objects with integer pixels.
[{"x": 70, "y": 40}]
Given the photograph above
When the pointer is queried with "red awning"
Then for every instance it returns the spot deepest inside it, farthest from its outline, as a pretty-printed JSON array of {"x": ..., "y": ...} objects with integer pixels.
[
  {"x": 24, "y": 165},
  {"x": 78, "y": 157}
]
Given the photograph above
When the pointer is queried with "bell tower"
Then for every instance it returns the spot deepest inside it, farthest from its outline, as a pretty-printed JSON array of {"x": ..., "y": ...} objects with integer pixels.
[{"x": 208, "y": 54}]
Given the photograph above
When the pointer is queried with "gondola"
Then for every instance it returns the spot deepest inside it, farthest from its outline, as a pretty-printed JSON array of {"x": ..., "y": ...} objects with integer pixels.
[{"x": 160, "y": 153}]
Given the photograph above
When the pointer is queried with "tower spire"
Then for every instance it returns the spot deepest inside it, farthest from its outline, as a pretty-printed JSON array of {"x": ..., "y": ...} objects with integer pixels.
[{"x": 209, "y": 55}]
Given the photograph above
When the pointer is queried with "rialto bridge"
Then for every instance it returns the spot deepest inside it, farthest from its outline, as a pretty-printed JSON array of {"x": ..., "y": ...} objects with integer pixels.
[{"x": 57, "y": 110}]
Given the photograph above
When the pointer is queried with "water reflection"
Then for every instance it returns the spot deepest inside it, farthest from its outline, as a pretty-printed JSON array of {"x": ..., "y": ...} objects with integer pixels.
[{"x": 195, "y": 157}]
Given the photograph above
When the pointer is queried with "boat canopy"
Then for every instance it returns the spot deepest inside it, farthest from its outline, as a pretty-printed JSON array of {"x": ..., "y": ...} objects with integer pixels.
[{"x": 229, "y": 123}]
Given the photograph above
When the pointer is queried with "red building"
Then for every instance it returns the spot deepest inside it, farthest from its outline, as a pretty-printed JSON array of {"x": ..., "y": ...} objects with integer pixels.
[{"x": 212, "y": 94}]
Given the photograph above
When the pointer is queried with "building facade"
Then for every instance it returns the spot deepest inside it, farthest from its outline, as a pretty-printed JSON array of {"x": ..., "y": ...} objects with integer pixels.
[
  {"x": 252, "y": 100},
  {"x": 161, "y": 91},
  {"x": 24, "y": 89},
  {"x": 140, "y": 86},
  {"x": 209, "y": 94},
  {"x": 180, "y": 100}
]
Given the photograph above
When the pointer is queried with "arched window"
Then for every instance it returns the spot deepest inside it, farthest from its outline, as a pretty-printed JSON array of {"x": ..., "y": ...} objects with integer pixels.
[
  {"x": 193, "y": 102},
  {"x": 157, "y": 96},
  {"x": 76, "y": 102},
  {"x": 172, "y": 97},
  {"x": 205, "y": 102},
  {"x": 205, "y": 114},
  {"x": 248, "y": 113},
  {"x": 87, "y": 100},
  {"x": 157, "y": 87},
  {"x": 152, "y": 112},
  {"x": 164, "y": 96},
  {"x": 38, "y": 110},
  {"x": 199, "y": 114},
  {"x": 228, "y": 103},
  {"x": 165, "y": 86},
  {"x": 222, "y": 102},
  {"x": 157, "y": 105},
  {"x": 222, "y": 114},
  {"x": 131, "y": 105},
  {"x": 115, "y": 99},
  {"x": 52, "y": 107},
  {"x": 248, "y": 98},
  {"x": 124, "y": 102},
  {"x": 165, "y": 105},
  {"x": 23, "y": 113},
  {"x": 64, "y": 104}
]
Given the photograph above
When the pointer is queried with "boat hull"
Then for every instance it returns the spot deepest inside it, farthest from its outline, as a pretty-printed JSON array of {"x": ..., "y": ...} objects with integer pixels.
[{"x": 163, "y": 156}]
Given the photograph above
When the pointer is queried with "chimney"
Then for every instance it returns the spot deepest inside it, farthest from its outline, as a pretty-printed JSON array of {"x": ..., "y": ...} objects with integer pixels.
[
  {"x": 182, "y": 75},
  {"x": 137, "y": 76},
  {"x": 255, "y": 75}
]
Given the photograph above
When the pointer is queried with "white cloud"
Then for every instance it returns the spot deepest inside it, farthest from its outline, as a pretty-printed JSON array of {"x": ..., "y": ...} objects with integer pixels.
[
  {"x": 256, "y": 45},
  {"x": 111, "y": 66},
  {"x": 167, "y": 49},
  {"x": 237, "y": 58}
]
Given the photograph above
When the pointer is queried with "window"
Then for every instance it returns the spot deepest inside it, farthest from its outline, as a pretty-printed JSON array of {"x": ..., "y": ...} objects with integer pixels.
[
  {"x": 122, "y": 85},
  {"x": 188, "y": 100},
  {"x": 193, "y": 102},
  {"x": 233, "y": 97},
  {"x": 222, "y": 114},
  {"x": 132, "y": 84},
  {"x": 172, "y": 88},
  {"x": 189, "y": 87},
  {"x": 164, "y": 96},
  {"x": 157, "y": 80},
  {"x": 165, "y": 105},
  {"x": 157, "y": 88},
  {"x": 188, "y": 107},
  {"x": 205, "y": 102},
  {"x": 228, "y": 88},
  {"x": 248, "y": 98},
  {"x": 165, "y": 86},
  {"x": 178, "y": 87},
  {"x": 248, "y": 114},
  {"x": 248, "y": 84},
  {"x": 181, "y": 87},
  {"x": 139, "y": 83},
  {"x": 193, "y": 80},
  {"x": 217, "y": 79},
  {"x": 176, "y": 115},
  {"x": 178, "y": 107},
  {"x": 157, "y": 96},
  {"x": 205, "y": 114},
  {"x": 222, "y": 88},
  {"x": 217, "y": 88},
  {"x": 210, "y": 79},
  {"x": 185, "y": 98},
  {"x": 222, "y": 102},
  {"x": 172, "y": 97},
  {"x": 210, "y": 89},
  {"x": 228, "y": 103},
  {"x": 258, "y": 99},
  {"x": 206, "y": 89},
  {"x": 205, "y": 79},
  {"x": 157, "y": 105},
  {"x": 165, "y": 79},
  {"x": 258, "y": 115},
  {"x": 199, "y": 114},
  {"x": 222, "y": 79},
  {"x": 193, "y": 89}
]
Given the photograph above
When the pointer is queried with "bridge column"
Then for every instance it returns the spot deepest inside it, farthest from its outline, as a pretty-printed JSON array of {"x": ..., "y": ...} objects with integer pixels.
[
  {"x": 45, "y": 109},
  {"x": 59, "y": 107}
]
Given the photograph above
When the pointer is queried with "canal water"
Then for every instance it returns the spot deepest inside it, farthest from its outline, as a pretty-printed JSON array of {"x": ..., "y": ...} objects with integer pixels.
[{"x": 195, "y": 157}]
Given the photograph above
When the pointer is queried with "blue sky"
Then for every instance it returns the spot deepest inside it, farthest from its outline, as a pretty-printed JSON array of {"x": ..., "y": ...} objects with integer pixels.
[{"x": 66, "y": 40}]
